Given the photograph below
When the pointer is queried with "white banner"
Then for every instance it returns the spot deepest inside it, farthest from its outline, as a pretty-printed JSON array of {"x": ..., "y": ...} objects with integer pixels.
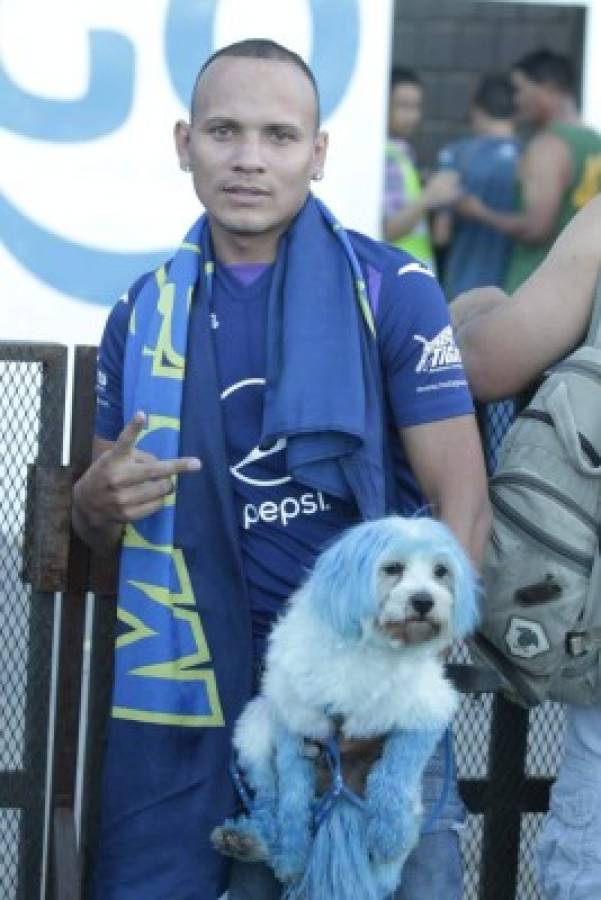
[{"x": 89, "y": 95}]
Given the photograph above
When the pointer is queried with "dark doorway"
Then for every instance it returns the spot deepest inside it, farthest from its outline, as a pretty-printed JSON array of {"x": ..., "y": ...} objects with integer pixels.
[{"x": 451, "y": 43}]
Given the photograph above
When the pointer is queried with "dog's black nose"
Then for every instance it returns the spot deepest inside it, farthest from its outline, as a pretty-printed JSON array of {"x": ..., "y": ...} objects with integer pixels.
[{"x": 422, "y": 603}]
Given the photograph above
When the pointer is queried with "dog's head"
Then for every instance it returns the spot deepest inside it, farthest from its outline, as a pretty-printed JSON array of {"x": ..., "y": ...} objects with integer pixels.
[{"x": 402, "y": 582}]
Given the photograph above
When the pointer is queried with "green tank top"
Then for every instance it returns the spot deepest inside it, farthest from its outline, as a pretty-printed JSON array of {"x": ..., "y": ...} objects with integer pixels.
[
  {"x": 416, "y": 242},
  {"x": 585, "y": 150}
]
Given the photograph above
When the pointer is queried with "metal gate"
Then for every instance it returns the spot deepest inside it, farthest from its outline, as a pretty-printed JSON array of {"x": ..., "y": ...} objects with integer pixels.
[
  {"x": 506, "y": 756},
  {"x": 32, "y": 400}
]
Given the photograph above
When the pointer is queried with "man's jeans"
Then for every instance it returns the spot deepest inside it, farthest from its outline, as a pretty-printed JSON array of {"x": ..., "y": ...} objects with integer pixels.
[
  {"x": 434, "y": 870},
  {"x": 569, "y": 848}
]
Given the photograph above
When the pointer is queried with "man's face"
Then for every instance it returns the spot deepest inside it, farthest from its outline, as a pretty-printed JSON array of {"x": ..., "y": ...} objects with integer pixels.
[
  {"x": 530, "y": 98},
  {"x": 253, "y": 148},
  {"x": 405, "y": 109}
]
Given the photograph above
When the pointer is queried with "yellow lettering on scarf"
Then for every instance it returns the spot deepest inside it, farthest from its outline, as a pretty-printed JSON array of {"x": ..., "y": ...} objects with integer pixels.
[
  {"x": 166, "y": 361},
  {"x": 183, "y": 618}
]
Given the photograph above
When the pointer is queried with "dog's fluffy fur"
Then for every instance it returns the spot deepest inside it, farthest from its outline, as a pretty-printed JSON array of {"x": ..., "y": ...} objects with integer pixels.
[{"x": 360, "y": 650}]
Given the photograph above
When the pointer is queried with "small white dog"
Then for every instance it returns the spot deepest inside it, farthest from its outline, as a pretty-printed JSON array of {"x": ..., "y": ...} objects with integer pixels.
[{"x": 358, "y": 655}]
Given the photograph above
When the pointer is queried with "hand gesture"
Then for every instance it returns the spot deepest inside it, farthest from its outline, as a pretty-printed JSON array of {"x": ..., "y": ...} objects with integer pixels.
[{"x": 125, "y": 484}]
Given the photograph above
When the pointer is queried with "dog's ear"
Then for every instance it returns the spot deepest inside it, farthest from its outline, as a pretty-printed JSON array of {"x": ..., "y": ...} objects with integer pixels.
[
  {"x": 465, "y": 607},
  {"x": 342, "y": 587},
  {"x": 434, "y": 535}
]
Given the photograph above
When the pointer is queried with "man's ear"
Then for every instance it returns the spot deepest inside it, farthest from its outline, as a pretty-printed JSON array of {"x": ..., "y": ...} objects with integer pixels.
[
  {"x": 181, "y": 135},
  {"x": 320, "y": 151}
]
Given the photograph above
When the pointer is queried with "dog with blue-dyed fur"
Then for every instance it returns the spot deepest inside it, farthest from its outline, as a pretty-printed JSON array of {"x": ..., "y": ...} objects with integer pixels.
[{"x": 358, "y": 656}]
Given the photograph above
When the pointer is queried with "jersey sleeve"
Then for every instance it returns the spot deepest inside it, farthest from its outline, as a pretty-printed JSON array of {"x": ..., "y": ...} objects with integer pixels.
[
  {"x": 424, "y": 376},
  {"x": 109, "y": 372},
  {"x": 111, "y": 356}
]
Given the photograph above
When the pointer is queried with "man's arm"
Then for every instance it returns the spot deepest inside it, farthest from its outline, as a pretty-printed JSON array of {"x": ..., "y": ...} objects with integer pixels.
[
  {"x": 123, "y": 484},
  {"x": 446, "y": 459},
  {"x": 507, "y": 342},
  {"x": 474, "y": 303},
  {"x": 441, "y": 228},
  {"x": 545, "y": 172}
]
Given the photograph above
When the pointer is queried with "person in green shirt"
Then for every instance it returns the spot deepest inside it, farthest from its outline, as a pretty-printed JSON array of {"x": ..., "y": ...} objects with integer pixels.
[
  {"x": 560, "y": 170},
  {"x": 406, "y": 202}
]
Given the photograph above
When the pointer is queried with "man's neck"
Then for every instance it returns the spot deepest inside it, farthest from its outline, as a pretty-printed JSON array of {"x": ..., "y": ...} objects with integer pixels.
[
  {"x": 563, "y": 111},
  {"x": 241, "y": 249},
  {"x": 500, "y": 128}
]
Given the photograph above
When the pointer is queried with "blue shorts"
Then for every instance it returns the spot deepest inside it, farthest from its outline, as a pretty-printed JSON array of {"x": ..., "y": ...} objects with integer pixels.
[{"x": 434, "y": 869}]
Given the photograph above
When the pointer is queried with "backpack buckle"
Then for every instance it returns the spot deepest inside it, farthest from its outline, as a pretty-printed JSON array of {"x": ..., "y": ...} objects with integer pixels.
[
  {"x": 580, "y": 642},
  {"x": 576, "y": 643}
]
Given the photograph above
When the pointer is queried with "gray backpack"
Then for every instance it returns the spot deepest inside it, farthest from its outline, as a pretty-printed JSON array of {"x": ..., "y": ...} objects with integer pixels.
[{"x": 541, "y": 625}]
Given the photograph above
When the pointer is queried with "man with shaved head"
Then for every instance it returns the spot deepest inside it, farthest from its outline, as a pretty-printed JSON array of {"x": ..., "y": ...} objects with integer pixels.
[{"x": 276, "y": 381}]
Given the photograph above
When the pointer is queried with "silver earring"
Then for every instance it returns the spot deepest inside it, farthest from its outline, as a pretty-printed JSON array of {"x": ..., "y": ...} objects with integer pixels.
[
  {"x": 317, "y": 176},
  {"x": 185, "y": 167}
]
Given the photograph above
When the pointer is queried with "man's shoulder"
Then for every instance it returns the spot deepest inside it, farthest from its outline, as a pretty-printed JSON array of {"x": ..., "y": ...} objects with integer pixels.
[
  {"x": 395, "y": 279},
  {"x": 376, "y": 254},
  {"x": 138, "y": 285},
  {"x": 457, "y": 148},
  {"x": 122, "y": 310},
  {"x": 128, "y": 299}
]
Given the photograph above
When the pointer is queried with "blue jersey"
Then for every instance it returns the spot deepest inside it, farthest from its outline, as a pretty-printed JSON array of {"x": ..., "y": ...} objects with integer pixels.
[
  {"x": 282, "y": 523},
  {"x": 479, "y": 255}
]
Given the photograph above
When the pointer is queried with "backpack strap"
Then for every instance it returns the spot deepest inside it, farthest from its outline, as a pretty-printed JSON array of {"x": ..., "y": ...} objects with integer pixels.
[{"x": 593, "y": 335}]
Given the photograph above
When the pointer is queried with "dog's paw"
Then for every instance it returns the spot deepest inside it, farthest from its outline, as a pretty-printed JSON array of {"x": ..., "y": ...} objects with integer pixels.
[
  {"x": 387, "y": 845},
  {"x": 232, "y": 840}
]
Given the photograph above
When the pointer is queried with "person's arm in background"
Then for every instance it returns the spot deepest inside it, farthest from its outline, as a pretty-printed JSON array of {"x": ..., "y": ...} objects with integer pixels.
[
  {"x": 507, "y": 342},
  {"x": 441, "y": 223},
  {"x": 446, "y": 459},
  {"x": 545, "y": 172},
  {"x": 441, "y": 228},
  {"x": 402, "y": 215}
]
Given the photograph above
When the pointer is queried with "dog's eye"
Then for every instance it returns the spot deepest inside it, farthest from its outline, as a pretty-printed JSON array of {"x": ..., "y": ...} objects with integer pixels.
[
  {"x": 395, "y": 569},
  {"x": 440, "y": 570}
]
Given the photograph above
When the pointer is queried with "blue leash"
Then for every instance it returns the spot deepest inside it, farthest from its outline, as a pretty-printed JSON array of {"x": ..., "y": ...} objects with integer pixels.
[
  {"x": 239, "y": 784},
  {"x": 339, "y": 788}
]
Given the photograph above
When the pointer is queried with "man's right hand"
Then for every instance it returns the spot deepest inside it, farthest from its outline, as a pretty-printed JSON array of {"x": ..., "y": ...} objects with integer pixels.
[
  {"x": 124, "y": 484},
  {"x": 442, "y": 189}
]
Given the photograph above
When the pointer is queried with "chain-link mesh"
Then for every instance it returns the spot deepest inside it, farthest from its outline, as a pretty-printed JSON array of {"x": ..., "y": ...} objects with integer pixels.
[
  {"x": 472, "y": 727},
  {"x": 527, "y": 881},
  {"x": 10, "y": 822},
  {"x": 546, "y": 725},
  {"x": 471, "y": 846},
  {"x": 473, "y": 735},
  {"x": 25, "y": 620},
  {"x": 495, "y": 420}
]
